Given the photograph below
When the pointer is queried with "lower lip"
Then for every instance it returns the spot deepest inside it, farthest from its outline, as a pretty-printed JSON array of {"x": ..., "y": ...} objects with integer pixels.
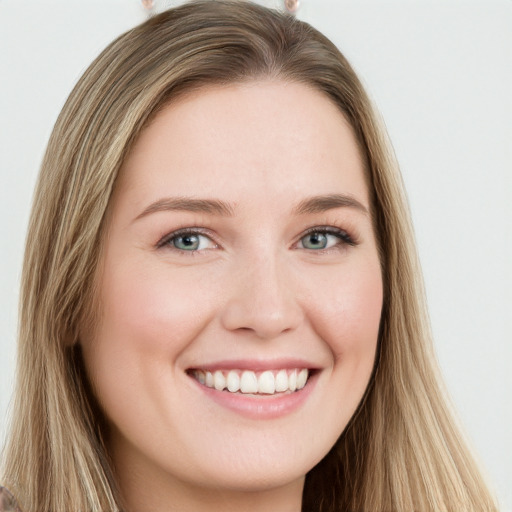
[{"x": 262, "y": 407}]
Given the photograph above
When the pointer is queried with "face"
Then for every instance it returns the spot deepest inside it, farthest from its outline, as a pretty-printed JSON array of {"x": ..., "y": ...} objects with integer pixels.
[{"x": 240, "y": 290}]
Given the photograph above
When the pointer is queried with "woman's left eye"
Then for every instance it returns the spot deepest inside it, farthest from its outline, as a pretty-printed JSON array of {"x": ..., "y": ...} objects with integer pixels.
[
  {"x": 188, "y": 241},
  {"x": 319, "y": 239}
]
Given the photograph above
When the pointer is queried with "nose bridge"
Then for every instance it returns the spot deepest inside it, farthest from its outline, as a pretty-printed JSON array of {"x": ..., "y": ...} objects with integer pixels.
[{"x": 262, "y": 298}]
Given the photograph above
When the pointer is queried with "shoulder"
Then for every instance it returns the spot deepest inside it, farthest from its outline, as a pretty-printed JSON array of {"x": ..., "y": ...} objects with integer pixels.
[{"x": 7, "y": 501}]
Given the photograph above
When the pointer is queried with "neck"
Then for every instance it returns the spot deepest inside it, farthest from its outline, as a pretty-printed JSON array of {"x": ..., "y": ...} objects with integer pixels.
[{"x": 141, "y": 495}]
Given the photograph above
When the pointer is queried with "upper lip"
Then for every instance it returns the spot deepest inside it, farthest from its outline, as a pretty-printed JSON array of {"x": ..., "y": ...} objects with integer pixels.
[{"x": 256, "y": 364}]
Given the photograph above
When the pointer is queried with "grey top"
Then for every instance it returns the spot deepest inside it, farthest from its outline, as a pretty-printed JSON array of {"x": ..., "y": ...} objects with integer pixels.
[{"x": 7, "y": 501}]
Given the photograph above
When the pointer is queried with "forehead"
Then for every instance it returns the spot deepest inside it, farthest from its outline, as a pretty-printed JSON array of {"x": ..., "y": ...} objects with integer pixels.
[{"x": 277, "y": 137}]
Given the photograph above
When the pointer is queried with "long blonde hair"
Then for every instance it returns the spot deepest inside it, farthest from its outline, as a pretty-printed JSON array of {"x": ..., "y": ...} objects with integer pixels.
[{"x": 401, "y": 450}]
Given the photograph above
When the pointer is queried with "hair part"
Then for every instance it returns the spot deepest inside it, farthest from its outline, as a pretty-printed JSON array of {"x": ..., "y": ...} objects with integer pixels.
[{"x": 401, "y": 451}]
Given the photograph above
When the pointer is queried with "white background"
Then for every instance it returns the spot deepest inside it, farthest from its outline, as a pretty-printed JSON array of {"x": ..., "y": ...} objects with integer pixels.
[{"x": 440, "y": 72}]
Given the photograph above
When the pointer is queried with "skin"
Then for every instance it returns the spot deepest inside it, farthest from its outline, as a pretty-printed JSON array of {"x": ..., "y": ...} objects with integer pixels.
[{"x": 254, "y": 290}]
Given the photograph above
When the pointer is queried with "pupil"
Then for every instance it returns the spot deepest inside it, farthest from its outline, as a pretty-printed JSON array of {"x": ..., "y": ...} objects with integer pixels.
[
  {"x": 317, "y": 239},
  {"x": 187, "y": 241}
]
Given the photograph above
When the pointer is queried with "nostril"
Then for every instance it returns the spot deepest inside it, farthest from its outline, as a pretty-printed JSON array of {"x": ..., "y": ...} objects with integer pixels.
[
  {"x": 262, "y": 299},
  {"x": 259, "y": 321}
]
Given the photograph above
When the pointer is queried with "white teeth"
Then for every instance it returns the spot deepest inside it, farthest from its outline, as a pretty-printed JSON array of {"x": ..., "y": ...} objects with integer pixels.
[
  {"x": 281, "y": 381},
  {"x": 219, "y": 381},
  {"x": 302, "y": 378},
  {"x": 233, "y": 381},
  {"x": 268, "y": 382},
  {"x": 292, "y": 380},
  {"x": 248, "y": 382}
]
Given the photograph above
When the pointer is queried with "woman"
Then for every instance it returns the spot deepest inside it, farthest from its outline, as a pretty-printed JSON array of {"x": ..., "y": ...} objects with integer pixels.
[{"x": 221, "y": 302}]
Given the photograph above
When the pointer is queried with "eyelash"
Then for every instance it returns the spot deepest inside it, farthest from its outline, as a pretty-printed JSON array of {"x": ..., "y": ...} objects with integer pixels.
[
  {"x": 344, "y": 239},
  {"x": 165, "y": 242}
]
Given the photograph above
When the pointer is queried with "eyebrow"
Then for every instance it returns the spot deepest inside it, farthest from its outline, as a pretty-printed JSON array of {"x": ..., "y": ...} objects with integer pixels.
[
  {"x": 210, "y": 206},
  {"x": 315, "y": 204},
  {"x": 318, "y": 204}
]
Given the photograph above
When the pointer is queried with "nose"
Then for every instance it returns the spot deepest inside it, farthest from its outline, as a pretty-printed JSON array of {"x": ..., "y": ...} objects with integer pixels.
[{"x": 262, "y": 300}]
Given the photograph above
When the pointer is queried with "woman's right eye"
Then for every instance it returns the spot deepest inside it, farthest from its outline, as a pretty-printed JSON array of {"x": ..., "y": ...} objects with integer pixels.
[{"x": 187, "y": 241}]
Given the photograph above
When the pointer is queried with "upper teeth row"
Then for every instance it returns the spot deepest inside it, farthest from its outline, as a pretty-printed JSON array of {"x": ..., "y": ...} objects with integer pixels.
[{"x": 268, "y": 382}]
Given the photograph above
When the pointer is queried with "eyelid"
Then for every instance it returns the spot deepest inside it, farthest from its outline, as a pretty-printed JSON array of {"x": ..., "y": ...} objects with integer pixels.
[
  {"x": 344, "y": 236},
  {"x": 163, "y": 242}
]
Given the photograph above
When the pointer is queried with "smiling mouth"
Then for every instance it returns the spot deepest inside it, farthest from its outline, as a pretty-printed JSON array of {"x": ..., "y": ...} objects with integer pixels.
[{"x": 268, "y": 382}]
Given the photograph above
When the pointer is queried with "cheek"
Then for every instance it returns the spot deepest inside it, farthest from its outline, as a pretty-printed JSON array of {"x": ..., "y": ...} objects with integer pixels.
[
  {"x": 347, "y": 316},
  {"x": 350, "y": 328},
  {"x": 154, "y": 310},
  {"x": 148, "y": 318}
]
